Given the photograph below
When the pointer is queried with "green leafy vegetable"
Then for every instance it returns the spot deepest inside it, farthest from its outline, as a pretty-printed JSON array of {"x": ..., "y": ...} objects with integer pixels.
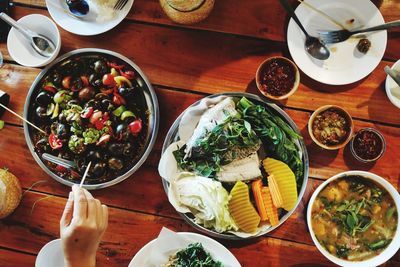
[
  {"x": 194, "y": 256},
  {"x": 220, "y": 146},
  {"x": 379, "y": 244},
  {"x": 277, "y": 136}
]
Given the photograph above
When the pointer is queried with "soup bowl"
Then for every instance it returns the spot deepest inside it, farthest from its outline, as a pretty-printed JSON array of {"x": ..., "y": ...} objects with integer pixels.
[{"x": 387, "y": 252}]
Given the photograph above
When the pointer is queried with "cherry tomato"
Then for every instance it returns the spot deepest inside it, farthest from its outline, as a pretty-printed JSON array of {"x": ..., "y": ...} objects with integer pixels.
[
  {"x": 108, "y": 79},
  {"x": 136, "y": 126},
  {"x": 95, "y": 116},
  {"x": 87, "y": 112},
  {"x": 66, "y": 82},
  {"x": 54, "y": 142}
]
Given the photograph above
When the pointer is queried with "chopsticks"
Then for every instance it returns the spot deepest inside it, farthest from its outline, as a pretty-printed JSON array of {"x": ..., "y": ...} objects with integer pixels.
[
  {"x": 85, "y": 174},
  {"x": 25, "y": 120}
]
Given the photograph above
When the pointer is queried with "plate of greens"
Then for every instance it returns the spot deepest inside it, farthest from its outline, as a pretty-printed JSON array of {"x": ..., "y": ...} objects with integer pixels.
[
  {"x": 183, "y": 249},
  {"x": 234, "y": 166}
]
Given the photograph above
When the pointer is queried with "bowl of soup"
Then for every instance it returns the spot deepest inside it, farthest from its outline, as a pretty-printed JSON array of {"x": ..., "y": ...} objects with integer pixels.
[{"x": 353, "y": 219}]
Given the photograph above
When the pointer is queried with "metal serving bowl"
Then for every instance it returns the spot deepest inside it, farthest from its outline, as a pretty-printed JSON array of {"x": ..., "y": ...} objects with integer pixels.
[
  {"x": 173, "y": 136},
  {"x": 151, "y": 102}
]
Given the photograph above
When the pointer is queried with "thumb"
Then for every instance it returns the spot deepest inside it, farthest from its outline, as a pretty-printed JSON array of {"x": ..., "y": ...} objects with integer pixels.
[{"x": 66, "y": 216}]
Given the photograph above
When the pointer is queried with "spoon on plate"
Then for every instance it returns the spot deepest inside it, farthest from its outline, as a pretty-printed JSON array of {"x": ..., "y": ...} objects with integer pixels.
[
  {"x": 78, "y": 8},
  {"x": 313, "y": 45},
  {"x": 42, "y": 45}
]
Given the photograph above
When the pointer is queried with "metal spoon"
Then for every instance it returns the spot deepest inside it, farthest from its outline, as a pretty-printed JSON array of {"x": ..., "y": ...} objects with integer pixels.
[
  {"x": 313, "y": 45},
  {"x": 40, "y": 43},
  {"x": 78, "y": 8}
]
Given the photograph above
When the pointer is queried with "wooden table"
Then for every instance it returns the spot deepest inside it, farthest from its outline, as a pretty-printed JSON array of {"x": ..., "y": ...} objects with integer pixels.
[{"x": 220, "y": 54}]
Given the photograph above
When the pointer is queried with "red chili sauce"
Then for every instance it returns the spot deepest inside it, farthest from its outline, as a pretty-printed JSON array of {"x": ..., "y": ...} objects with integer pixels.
[
  {"x": 277, "y": 78},
  {"x": 367, "y": 145}
]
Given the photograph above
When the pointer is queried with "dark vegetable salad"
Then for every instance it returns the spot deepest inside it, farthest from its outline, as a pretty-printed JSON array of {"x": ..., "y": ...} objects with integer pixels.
[
  {"x": 193, "y": 256},
  {"x": 93, "y": 110}
]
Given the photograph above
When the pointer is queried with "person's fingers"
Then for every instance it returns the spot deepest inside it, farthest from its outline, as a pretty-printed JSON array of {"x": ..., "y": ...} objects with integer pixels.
[
  {"x": 91, "y": 204},
  {"x": 80, "y": 204},
  {"x": 105, "y": 218},
  {"x": 66, "y": 216},
  {"x": 99, "y": 217}
]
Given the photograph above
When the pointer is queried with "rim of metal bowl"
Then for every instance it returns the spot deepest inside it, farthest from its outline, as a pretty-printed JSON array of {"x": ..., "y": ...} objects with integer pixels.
[
  {"x": 172, "y": 136},
  {"x": 151, "y": 101}
]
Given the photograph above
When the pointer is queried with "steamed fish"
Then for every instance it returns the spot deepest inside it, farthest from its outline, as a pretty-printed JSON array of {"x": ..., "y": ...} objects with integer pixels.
[
  {"x": 211, "y": 118},
  {"x": 240, "y": 170}
]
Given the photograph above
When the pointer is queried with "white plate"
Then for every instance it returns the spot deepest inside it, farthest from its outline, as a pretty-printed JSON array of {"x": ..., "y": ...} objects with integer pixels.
[
  {"x": 217, "y": 251},
  {"x": 21, "y": 50},
  {"x": 88, "y": 25},
  {"x": 50, "y": 255},
  {"x": 392, "y": 88},
  {"x": 346, "y": 64}
]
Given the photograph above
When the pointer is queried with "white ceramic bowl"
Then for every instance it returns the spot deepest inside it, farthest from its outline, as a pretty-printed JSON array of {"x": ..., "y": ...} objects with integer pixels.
[
  {"x": 388, "y": 252},
  {"x": 21, "y": 50},
  {"x": 51, "y": 254},
  {"x": 392, "y": 88}
]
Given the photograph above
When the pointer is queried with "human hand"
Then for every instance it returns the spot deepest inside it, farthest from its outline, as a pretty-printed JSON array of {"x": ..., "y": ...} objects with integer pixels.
[{"x": 82, "y": 226}]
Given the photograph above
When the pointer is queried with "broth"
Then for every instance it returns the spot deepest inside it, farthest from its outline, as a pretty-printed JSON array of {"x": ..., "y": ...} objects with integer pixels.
[{"x": 354, "y": 218}]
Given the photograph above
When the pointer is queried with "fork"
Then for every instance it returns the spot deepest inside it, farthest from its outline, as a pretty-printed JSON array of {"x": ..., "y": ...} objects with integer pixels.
[
  {"x": 119, "y": 5},
  {"x": 330, "y": 37}
]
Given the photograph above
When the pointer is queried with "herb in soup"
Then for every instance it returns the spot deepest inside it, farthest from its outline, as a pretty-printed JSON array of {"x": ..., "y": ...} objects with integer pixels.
[{"x": 354, "y": 218}]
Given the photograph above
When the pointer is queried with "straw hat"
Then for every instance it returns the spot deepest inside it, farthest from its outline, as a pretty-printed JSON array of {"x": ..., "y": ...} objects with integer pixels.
[
  {"x": 187, "y": 11},
  {"x": 10, "y": 193}
]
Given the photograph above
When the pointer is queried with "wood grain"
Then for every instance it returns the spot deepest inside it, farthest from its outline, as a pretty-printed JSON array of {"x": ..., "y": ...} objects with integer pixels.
[{"x": 10, "y": 258}]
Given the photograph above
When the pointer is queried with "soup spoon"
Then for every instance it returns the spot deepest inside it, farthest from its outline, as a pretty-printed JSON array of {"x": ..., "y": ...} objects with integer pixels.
[
  {"x": 78, "y": 8},
  {"x": 313, "y": 45},
  {"x": 42, "y": 45}
]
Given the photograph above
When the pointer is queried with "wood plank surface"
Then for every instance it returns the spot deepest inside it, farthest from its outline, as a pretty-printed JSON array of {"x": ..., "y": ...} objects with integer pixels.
[
  {"x": 256, "y": 18},
  {"x": 220, "y": 54},
  {"x": 9, "y": 258}
]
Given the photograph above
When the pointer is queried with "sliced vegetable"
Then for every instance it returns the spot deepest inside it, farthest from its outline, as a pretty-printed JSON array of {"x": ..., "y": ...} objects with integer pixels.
[
  {"x": 119, "y": 80},
  {"x": 284, "y": 182},
  {"x": 242, "y": 211},
  {"x": 127, "y": 74},
  {"x": 256, "y": 188},
  {"x": 272, "y": 211},
  {"x": 103, "y": 140},
  {"x": 91, "y": 136},
  {"x": 136, "y": 126},
  {"x": 114, "y": 72},
  {"x": 49, "y": 87},
  {"x": 275, "y": 193},
  {"x": 76, "y": 144},
  {"x": 127, "y": 114},
  {"x": 50, "y": 109},
  {"x": 85, "y": 80},
  {"x": 115, "y": 65},
  {"x": 1, "y": 124},
  {"x": 66, "y": 82},
  {"x": 54, "y": 142},
  {"x": 87, "y": 112},
  {"x": 56, "y": 111},
  {"x": 118, "y": 111},
  {"x": 59, "y": 96},
  {"x": 118, "y": 100}
]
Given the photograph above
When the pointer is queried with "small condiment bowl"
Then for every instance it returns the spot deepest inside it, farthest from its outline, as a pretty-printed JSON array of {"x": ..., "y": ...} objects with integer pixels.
[
  {"x": 388, "y": 252},
  {"x": 348, "y": 119},
  {"x": 262, "y": 67},
  {"x": 21, "y": 50},
  {"x": 359, "y": 158}
]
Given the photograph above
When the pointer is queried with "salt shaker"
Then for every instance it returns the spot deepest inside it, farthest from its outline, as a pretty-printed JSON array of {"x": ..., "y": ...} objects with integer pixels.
[{"x": 187, "y": 11}]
